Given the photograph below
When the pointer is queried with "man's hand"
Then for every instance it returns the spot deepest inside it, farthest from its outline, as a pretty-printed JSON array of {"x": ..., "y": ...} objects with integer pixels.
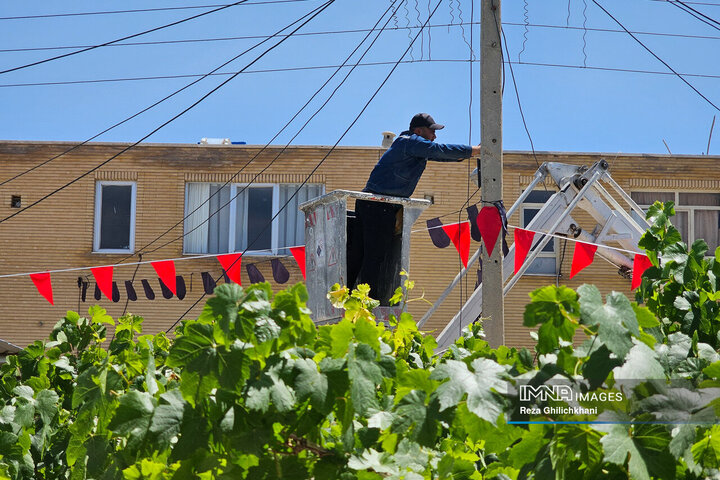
[{"x": 476, "y": 151}]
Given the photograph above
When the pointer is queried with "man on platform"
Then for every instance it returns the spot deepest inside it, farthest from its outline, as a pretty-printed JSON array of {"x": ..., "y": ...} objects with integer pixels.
[{"x": 396, "y": 174}]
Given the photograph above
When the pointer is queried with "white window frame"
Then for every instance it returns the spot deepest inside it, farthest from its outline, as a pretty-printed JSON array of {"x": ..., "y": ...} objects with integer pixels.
[
  {"x": 275, "y": 226},
  {"x": 689, "y": 209},
  {"x": 98, "y": 214}
]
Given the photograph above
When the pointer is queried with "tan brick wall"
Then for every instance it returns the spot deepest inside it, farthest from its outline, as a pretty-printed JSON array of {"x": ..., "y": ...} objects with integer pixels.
[{"x": 58, "y": 233}]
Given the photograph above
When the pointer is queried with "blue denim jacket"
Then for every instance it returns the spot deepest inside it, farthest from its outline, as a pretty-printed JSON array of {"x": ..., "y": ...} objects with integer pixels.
[{"x": 401, "y": 166}]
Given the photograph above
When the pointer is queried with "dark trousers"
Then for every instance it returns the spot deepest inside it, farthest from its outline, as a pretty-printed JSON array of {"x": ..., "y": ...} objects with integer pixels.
[{"x": 370, "y": 254}]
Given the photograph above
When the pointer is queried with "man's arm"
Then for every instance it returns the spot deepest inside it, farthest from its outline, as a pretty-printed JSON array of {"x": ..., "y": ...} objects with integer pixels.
[
  {"x": 476, "y": 151},
  {"x": 440, "y": 151}
]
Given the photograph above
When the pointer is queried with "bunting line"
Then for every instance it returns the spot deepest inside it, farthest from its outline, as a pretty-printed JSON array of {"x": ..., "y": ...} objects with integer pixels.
[
  {"x": 632, "y": 252},
  {"x": 179, "y": 259}
]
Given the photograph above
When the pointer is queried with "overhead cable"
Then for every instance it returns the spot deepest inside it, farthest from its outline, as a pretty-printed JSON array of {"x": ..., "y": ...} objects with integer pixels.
[
  {"x": 696, "y": 14},
  {"x": 365, "y": 64},
  {"x": 350, "y": 31},
  {"x": 140, "y": 10},
  {"x": 657, "y": 57},
  {"x": 312, "y": 14},
  {"x": 120, "y": 39},
  {"x": 167, "y": 97}
]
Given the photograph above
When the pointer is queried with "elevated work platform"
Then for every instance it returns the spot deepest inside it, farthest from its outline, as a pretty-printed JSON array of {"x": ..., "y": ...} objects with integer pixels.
[{"x": 329, "y": 232}]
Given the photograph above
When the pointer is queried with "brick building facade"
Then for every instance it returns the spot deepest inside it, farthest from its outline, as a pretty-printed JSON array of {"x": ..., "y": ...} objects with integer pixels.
[{"x": 137, "y": 202}]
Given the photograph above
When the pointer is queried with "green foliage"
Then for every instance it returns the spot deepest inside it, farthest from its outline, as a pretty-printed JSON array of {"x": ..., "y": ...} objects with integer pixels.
[
  {"x": 682, "y": 287},
  {"x": 253, "y": 389}
]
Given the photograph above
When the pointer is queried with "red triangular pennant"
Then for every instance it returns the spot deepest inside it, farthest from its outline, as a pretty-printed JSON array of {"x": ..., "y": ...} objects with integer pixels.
[
  {"x": 44, "y": 285},
  {"x": 459, "y": 233},
  {"x": 583, "y": 256},
  {"x": 166, "y": 271},
  {"x": 231, "y": 263},
  {"x": 299, "y": 254},
  {"x": 489, "y": 223},
  {"x": 640, "y": 264},
  {"x": 523, "y": 242},
  {"x": 103, "y": 277}
]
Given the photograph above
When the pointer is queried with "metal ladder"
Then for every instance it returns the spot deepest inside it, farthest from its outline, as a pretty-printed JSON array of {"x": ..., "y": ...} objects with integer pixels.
[{"x": 578, "y": 186}]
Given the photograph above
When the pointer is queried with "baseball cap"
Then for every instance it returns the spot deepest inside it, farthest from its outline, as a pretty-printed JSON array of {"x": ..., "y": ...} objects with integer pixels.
[{"x": 424, "y": 120}]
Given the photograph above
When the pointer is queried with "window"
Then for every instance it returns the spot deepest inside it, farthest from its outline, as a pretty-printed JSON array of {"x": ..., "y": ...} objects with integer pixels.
[
  {"x": 546, "y": 261},
  {"x": 697, "y": 214},
  {"x": 114, "y": 217},
  {"x": 234, "y": 218}
]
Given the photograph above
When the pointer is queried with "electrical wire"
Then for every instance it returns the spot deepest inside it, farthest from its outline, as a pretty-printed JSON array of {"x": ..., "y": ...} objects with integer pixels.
[
  {"x": 501, "y": 34},
  {"x": 584, "y": 35},
  {"x": 202, "y": 77},
  {"x": 128, "y": 37},
  {"x": 365, "y": 64},
  {"x": 526, "y": 21},
  {"x": 694, "y": 3},
  {"x": 313, "y": 13},
  {"x": 694, "y": 13},
  {"x": 347, "y": 59},
  {"x": 657, "y": 57},
  {"x": 685, "y": 4},
  {"x": 350, "y": 31},
  {"x": 464, "y": 285},
  {"x": 140, "y": 10},
  {"x": 352, "y": 123}
]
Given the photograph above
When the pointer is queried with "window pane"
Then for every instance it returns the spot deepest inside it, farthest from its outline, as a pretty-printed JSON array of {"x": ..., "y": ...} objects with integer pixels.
[
  {"x": 707, "y": 227},
  {"x": 219, "y": 219},
  {"x": 648, "y": 198},
  {"x": 680, "y": 220},
  {"x": 542, "y": 265},
  {"x": 700, "y": 199},
  {"x": 528, "y": 215},
  {"x": 259, "y": 213},
  {"x": 197, "y": 211},
  {"x": 115, "y": 217},
  {"x": 539, "y": 196}
]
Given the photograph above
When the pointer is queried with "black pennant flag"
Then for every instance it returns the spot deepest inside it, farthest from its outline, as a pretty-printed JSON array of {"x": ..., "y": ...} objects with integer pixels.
[
  {"x": 166, "y": 292},
  {"x": 131, "y": 294},
  {"x": 280, "y": 273},
  {"x": 438, "y": 236},
  {"x": 149, "y": 294},
  {"x": 254, "y": 273},
  {"x": 472, "y": 212},
  {"x": 180, "y": 287},
  {"x": 208, "y": 283}
]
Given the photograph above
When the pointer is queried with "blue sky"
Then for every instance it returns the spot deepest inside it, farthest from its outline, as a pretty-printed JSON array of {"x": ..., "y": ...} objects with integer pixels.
[{"x": 577, "y": 107}]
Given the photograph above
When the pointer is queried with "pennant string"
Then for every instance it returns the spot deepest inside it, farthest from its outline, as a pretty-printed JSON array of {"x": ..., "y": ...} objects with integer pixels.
[{"x": 77, "y": 269}]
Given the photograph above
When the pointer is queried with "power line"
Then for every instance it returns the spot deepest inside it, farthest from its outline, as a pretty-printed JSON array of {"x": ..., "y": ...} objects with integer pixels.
[
  {"x": 200, "y": 78},
  {"x": 121, "y": 39},
  {"x": 658, "y": 58},
  {"x": 686, "y": 4},
  {"x": 698, "y": 15},
  {"x": 612, "y": 30},
  {"x": 140, "y": 10},
  {"x": 365, "y": 64},
  {"x": 347, "y": 59},
  {"x": 693, "y": 3},
  {"x": 350, "y": 31},
  {"x": 312, "y": 14}
]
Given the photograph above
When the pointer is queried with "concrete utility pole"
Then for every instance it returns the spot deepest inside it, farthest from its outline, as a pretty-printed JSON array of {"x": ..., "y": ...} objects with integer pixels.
[{"x": 490, "y": 163}]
